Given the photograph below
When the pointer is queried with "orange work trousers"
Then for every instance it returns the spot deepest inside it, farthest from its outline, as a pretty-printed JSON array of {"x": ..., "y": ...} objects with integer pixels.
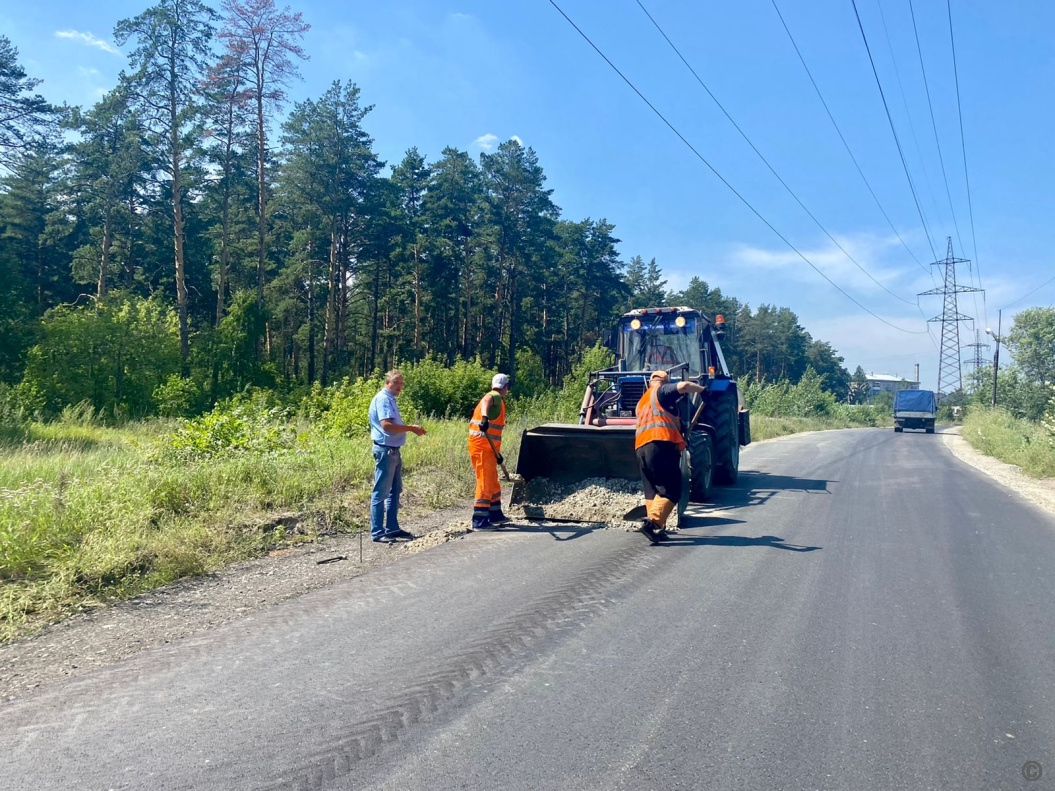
[{"x": 488, "y": 490}]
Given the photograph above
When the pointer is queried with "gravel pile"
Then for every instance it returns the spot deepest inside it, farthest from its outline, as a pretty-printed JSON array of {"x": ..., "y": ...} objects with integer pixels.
[{"x": 610, "y": 501}]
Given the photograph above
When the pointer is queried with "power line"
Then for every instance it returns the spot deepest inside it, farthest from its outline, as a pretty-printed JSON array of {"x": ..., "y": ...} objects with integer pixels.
[
  {"x": 1029, "y": 294},
  {"x": 890, "y": 120},
  {"x": 772, "y": 170},
  {"x": 720, "y": 177},
  {"x": 908, "y": 113},
  {"x": 963, "y": 147},
  {"x": 937, "y": 143},
  {"x": 934, "y": 124},
  {"x": 843, "y": 139}
]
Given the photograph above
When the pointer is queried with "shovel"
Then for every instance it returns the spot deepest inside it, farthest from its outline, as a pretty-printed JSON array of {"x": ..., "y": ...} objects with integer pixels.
[{"x": 502, "y": 464}]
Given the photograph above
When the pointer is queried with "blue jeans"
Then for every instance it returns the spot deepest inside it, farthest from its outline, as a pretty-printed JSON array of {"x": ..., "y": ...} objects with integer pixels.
[{"x": 388, "y": 484}]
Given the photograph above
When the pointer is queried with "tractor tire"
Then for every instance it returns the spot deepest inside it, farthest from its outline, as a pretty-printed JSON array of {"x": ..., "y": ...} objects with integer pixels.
[
  {"x": 721, "y": 414},
  {"x": 930, "y": 430},
  {"x": 898, "y": 429},
  {"x": 701, "y": 466}
]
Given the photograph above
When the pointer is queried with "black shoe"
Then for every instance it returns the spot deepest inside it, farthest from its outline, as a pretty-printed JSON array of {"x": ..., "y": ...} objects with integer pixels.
[
  {"x": 401, "y": 534},
  {"x": 498, "y": 518},
  {"x": 649, "y": 528},
  {"x": 382, "y": 539}
]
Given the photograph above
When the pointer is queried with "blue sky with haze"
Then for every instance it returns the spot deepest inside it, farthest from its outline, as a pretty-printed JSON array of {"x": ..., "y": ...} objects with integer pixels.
[{"x": 470, "y": 74}]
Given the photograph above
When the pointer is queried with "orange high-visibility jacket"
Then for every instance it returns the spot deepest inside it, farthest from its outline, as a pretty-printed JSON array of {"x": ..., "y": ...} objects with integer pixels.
[
  {"x": 494, "y": 428},
  {"x": 656, "y": 423}
]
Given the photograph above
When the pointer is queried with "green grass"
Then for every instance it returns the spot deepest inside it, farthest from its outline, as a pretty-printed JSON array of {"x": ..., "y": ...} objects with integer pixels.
[
  {"x": 90, "y": 514},
  {"x": 1013, "y": 440},
  {"x": 763, "y": 427}
]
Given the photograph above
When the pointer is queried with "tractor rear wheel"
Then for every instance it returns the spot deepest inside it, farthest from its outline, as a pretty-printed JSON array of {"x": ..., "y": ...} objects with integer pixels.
[
  {"x": 720, "y": 413},
  {"x": 701, "y": 466}
]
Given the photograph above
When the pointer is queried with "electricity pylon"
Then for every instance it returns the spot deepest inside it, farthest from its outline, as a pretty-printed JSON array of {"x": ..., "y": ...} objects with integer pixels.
[{"x": 950, "y": 376}]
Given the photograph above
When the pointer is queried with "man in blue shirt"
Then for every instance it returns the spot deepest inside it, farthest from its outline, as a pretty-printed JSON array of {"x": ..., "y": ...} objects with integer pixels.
[{"x": 388, "y": 433}]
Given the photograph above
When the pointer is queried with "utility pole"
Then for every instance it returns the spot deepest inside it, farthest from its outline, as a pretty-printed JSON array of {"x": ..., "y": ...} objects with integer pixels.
[
  {"x": 996, "y": 357},
  {"x": 950, "y": 376}
]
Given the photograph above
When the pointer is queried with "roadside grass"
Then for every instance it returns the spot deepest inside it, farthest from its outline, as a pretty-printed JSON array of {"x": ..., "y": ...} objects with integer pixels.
[
  {"x": 90, "y": 513},
  {"x": 1028, "y": 445},
  {"x": 763, "y": 427}
]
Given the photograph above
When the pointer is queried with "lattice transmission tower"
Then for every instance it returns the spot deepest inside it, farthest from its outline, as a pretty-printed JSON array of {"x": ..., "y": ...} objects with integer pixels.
[
  {"x": 950, "y": 375},
  {"x": 977, "y": 360}
]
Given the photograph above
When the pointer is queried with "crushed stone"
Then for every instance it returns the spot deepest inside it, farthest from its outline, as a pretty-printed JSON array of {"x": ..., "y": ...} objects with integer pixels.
[{"x": 615, "y": 502}]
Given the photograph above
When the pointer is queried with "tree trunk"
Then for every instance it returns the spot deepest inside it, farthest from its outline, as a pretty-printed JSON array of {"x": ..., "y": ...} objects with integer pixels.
[
  {"x": 331, "y": 307},
  {"x": 261, "y": 232},
  {"x": 374, "y": 312},
  {"x": 221, "y": 296},
  {"x": 311, "y": 309},
  {"x": 417, "y": 301},
  {"x": 177, "y": 223},
  {"x": 104, "y": 264}
]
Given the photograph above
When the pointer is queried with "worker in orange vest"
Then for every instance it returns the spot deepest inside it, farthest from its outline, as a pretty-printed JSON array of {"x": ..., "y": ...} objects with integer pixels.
[
  {"x": 489, "y": 418},
  {"x": 658, "y": 445}
]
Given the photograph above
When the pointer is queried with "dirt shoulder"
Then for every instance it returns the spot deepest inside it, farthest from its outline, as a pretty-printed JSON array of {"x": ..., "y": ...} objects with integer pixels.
[
  {"x": 106, "y": 634},
  {"x": 1040, "y": 492}
]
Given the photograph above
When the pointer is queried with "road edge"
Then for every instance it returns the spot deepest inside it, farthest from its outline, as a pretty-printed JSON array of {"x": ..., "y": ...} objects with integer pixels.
[{"x": 1008, "y": 475}]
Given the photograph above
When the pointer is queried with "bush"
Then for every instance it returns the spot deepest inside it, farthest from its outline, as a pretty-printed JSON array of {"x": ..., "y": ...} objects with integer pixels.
[
  {"x": 807, "y": 398},
  {"x": 178, "y": 397},
  {"x": 430, "y": 388},
  {"x": 341, "y": 410},
  {"x": 232, "y": 428},
  {"x": 595, "y": 358},
  {"x": 113, "y": 353}
]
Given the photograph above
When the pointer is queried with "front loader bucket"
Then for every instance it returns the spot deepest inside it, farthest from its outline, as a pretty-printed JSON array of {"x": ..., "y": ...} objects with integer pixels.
[
  {"x": 577, "y": 473},
  {"x": 568, "y": 453}
]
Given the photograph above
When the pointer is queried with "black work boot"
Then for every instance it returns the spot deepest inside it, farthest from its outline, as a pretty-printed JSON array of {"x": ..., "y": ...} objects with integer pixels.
[{"x": 652, "y": 531}]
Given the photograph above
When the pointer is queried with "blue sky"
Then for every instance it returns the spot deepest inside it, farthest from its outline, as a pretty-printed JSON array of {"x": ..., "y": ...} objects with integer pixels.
[{"x": 469, "y": 74}]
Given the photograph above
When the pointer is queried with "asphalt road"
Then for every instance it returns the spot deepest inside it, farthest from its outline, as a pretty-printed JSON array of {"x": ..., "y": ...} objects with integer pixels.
[{"x": 862, "y": 611}]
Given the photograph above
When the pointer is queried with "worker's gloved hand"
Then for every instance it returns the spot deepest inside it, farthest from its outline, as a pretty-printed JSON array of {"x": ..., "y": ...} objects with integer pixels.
[
  {"x": 484, "y": 424},
  {"x": 501, "y": 459}
]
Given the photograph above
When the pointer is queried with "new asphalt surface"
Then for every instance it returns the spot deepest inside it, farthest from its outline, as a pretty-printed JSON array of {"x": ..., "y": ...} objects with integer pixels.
[{"x": 861, "y": 611}]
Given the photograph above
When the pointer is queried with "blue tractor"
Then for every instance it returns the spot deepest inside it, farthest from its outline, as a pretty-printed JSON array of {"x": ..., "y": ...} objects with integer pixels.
[{"x": 687, "y": 345}]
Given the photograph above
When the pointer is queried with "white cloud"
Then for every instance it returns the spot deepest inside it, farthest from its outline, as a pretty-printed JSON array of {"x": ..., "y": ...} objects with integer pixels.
[
  {"x": 90, "y": 39},
  {"x": 880, "y": 263},
  {"x": 517, "y": 138},
  {"x": 486, "y": 142}
]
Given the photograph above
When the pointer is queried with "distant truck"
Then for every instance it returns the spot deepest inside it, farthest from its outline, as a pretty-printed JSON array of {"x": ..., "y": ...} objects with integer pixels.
[{"x": 915, "y": 409}]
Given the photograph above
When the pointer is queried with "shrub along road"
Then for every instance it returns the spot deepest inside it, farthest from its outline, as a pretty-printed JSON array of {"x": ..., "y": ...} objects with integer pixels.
[{"x": 862, "y": 610}]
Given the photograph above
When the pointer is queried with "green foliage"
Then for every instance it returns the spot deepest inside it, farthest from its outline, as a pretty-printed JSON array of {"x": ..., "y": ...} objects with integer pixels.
[
  {"x": 883, "y": 403},
  {"x": 531, "y": 380},
  {"x": 178, "y": 397},
  {"x": 113, "y": 353},
  {"x": 1016, "y": 393},
  {"x": 998, "y": 433},
  {"x": 807, "y": 398},
  {"x": 594, "y": 358},
  {"x": 341, "y": 410},
  {"x": 234, "y": 427},
  {"x": 1032, "y": 341},
  {"x": 432, "y": 389},
  {"x": 1048, "y": 421}
]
